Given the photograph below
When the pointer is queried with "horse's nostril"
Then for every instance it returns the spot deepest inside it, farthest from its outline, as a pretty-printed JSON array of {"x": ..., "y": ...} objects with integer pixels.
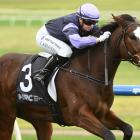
[{"x": 136, "y": 60}]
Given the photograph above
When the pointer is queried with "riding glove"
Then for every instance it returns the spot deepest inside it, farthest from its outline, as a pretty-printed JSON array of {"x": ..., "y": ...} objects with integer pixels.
[{"x": 103, "y": 37}]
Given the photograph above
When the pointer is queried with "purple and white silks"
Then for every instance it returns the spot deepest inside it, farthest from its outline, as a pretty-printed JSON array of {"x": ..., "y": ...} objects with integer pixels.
[{"x": 71, "y": 32}]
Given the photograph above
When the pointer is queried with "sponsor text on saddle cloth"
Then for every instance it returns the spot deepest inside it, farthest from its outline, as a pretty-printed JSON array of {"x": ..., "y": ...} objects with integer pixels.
[{"x": 30, "y": 90}]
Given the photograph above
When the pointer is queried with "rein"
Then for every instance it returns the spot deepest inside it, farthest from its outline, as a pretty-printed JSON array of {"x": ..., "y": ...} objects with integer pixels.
[
  {"x": 90, "y": 77},
  {"x": 106, "y": 70},
  {"x": 84, "y": 76}
]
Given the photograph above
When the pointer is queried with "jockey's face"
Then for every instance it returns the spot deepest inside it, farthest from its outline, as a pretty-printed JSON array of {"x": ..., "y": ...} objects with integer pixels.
[{"x": 85, "y": 26}]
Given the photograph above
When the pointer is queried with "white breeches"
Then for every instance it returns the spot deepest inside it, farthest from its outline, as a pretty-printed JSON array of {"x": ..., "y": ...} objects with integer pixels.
[{"x": 51, "y": 44}]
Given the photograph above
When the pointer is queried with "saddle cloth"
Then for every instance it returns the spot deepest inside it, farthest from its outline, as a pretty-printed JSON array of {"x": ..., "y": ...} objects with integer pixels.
[{"x": 30, "y": 90}]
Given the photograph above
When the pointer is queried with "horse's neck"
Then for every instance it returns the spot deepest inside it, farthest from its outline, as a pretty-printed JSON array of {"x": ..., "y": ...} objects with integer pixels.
[
  {"x": 92, "y": 62},
  {"x": 112, "y": 55},
  {"x": 111, "y": 64}
]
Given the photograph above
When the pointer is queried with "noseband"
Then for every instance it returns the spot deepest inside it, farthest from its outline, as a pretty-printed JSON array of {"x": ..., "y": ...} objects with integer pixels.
[{"x": 131, "y": 57}]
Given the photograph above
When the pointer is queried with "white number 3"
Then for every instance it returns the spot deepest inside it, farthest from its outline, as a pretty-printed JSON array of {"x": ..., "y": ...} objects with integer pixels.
[{"x": 27, "y": 77}]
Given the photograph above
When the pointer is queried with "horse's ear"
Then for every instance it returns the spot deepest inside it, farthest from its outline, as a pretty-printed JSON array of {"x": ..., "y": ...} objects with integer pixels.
[{"x": 120, "y": 21}]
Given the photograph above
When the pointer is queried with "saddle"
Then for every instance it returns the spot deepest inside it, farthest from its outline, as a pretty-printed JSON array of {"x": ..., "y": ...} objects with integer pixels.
[{"x": 30, "y": 91}]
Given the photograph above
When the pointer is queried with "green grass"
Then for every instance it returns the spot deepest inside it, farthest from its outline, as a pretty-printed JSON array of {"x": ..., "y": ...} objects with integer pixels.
[
  {"x": 27, "y": 137},
  {"x": 23, "y": 22},
  {"x": 18, "y": 39},
  {"x": 127, "y": 109},
  {"x": 127, "y": 74},
  {"x": 75, "y": 138},
  {"x": 70, "y": 4},
  {"x": 84, "y": 138}
]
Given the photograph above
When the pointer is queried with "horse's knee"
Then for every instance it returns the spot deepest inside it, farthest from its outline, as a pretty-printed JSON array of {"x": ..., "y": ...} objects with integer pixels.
[
  {"x": 128, "y": 132},
  {"x": 108, "y": 135}
]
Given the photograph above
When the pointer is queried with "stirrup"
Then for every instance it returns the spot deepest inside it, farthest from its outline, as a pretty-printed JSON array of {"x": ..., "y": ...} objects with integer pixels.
[
  {"x": 37, "y": 78},
  {"x": 42, "y": 75}
]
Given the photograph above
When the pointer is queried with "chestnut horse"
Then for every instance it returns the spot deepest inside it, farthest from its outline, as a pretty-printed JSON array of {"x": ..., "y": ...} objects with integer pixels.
[{"x": 83, "y": 97}]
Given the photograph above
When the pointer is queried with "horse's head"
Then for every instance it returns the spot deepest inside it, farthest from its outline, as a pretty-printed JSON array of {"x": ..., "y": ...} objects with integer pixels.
[{"x": 130, "y": 38}]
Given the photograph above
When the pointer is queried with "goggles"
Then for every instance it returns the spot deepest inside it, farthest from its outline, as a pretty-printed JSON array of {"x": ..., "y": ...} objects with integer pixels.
[{"x": 89, "y": 22}]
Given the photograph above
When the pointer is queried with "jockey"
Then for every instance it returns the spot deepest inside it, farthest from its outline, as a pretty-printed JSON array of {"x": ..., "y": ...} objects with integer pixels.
[{"x": 59, "y": 36}]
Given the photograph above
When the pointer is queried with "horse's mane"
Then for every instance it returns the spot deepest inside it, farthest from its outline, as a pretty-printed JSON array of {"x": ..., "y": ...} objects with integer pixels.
[{"x": 113, "y": 25}]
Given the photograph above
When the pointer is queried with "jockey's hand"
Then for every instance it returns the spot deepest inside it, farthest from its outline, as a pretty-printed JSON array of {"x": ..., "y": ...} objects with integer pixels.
[{"x": 103, "y": 37}]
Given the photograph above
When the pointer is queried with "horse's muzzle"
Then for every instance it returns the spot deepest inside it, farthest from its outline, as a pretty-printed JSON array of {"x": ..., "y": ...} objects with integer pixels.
[{"x": 136, "y": 59}]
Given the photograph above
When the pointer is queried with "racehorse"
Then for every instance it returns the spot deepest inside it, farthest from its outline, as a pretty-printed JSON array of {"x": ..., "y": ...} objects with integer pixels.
[{"x": 85, "y": 91}]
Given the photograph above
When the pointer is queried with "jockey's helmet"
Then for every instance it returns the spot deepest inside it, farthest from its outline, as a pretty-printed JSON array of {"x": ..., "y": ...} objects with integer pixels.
[{"x": 89, "y": 13}]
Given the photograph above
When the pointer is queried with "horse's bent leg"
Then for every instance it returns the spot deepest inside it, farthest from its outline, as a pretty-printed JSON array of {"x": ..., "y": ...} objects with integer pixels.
[
  {"x": 88, "y": 121},
  {"x": 43, "y": 129},
  {"x": 114, "y": 123}
]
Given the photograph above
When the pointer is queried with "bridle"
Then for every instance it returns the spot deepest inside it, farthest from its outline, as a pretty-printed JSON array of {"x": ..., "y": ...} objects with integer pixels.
[{"x": 131, "y": 57}]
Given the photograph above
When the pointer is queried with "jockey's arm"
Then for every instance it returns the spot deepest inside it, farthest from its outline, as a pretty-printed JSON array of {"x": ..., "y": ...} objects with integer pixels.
[{"x": 72, "y": 33}]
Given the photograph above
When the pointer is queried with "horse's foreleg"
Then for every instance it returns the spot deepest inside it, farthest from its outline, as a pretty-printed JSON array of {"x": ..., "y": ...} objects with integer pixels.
[
  {"x": 115, "y": 123},
  {"x": 6, "y": 129},
  {"x": 88, "y": 121},
  {"x": 7, "y": 118},
  {"x": 43, "y": 129}
]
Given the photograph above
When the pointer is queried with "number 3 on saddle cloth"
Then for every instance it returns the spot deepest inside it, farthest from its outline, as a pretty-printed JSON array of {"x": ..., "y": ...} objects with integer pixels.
[{"x": 30, "y": 91}]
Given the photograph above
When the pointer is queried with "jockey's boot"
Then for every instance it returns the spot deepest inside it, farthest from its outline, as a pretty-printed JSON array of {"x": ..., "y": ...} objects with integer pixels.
[{"x": 53, "y": 62}]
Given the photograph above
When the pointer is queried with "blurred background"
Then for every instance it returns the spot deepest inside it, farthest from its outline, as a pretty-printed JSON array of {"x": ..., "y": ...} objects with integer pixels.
[{"x": 19, "y": 22}]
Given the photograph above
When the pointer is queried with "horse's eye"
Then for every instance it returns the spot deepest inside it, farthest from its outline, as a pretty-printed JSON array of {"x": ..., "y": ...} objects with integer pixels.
[{"x": 133, "y": 37}]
